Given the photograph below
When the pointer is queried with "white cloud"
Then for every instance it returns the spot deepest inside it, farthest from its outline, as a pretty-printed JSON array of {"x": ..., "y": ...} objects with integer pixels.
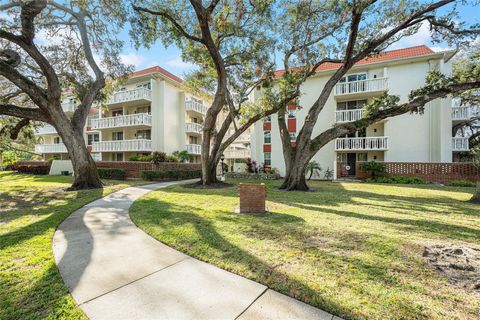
[
  {"x": 132, "y": 59},
  {"x": 178, "y": 63},
  {"x": 422, "y": 37}
]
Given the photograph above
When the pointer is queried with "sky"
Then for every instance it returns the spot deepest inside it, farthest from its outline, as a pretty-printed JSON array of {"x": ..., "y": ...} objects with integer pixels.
[{"x": 170, "y": 58}]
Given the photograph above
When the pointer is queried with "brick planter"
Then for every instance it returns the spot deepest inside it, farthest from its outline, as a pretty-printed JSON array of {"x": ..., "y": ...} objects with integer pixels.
[{"x": 252, "y": 198}]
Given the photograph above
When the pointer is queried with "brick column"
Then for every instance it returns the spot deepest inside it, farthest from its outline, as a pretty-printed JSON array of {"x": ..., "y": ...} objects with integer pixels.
[{"x": 252, "y": 198}]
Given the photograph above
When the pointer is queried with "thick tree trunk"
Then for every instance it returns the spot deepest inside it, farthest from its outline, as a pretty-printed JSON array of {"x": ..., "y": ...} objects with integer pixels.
[
  {"x": 295, "y": 180},
  {"x": 476, "y": 196},
  {"x": 84, "y": 168},
  {"x": 209, "y": 172}
]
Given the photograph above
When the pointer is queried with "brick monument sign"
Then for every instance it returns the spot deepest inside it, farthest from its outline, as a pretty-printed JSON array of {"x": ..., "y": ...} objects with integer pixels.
[{"x": 252, "y": 198}]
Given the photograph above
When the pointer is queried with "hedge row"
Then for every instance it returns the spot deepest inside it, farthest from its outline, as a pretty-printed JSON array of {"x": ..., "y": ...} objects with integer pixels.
[
  {"x": 256, "y": 176},
  {"x": 397, "y": 180},
  {"x": 30, "y": 168},
  {"x": 154, "y": 175},
  {"x": 112, "y": 173}
]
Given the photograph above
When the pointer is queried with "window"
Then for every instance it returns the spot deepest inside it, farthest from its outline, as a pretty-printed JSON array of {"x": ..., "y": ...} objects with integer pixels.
[
  {"x": 144, "y": 134},
  {"x": 361, "y": 157},
  {"x": 267, "y": 159},
  {"x": 118, "y": 157},
  {"x": 57, "y": 140},
  {"x": 193, "y": 140},
  {"x": 267, "y": 119},
  {"x": 350, "y": 105},
  {"x": 145, "y": 85},
  {"x": 92, "y": 137},
  {"x": 293, "y": 136},
  {"x": 292, "y": 114},
  {"x": 267, "y": 137},
  {"x": 145, "y": 109},
  {"x": 117, "y": 135},
  {"x": 354, "y": 77}
]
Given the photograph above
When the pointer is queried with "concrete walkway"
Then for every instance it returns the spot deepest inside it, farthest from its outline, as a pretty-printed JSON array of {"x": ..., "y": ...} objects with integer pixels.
[{"x": 116, "y": 271}]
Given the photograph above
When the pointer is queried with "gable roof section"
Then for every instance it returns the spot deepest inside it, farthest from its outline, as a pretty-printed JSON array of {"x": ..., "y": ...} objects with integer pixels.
[
  {"x": 156, "y": 69},
  {"x": 381, "y": 57}
]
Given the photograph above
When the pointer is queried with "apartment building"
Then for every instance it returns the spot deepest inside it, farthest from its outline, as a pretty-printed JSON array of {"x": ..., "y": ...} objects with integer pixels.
[
  {"x": 407, "y": 138},
  {"x": 151, "y": 112}
]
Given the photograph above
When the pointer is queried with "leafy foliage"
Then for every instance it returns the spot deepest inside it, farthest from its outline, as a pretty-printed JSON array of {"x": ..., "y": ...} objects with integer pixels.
[
  {"x": 112, "y": 173},
  {"x": 373, "y": 167}
]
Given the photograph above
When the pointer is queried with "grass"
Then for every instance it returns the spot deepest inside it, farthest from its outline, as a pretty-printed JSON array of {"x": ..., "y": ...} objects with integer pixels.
[
  {"x": 31, "y": 207},
  {"x": 354, "y": 250}
]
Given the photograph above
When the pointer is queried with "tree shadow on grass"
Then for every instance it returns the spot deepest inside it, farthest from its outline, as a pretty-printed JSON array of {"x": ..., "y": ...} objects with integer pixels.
[
  {"x": 215, "y": 248},
  {"x": 56, "y": 214}
]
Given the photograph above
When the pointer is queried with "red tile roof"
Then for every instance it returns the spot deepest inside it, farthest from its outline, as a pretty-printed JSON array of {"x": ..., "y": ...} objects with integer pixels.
[
  {"x": 383, "y": 56},
  {"x": 156, "y": 69}
]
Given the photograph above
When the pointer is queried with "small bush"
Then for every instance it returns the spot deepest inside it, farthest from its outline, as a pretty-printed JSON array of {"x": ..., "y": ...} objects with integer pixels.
[
  {"x": 31, "y": 168},
  {"x": 171, "y": 158},
  {"x": 461, "y": 183},
  {"x": 158, "y": 157},
  {"x": 143, "y": 158},
  {"x": 157, "y": 175},
  {"x": 397, "y": 180},
  {"x": 373, "y": 168},
  {"x": 112, "y": 173}
]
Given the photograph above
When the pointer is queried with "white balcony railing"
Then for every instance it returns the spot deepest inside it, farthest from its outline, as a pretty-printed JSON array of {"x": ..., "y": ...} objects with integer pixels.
[
  {"x": 191, "y": 127},
  {"x": 138, "y": 119},
  {"x": 194, "y": 148},
  {"x": 237, "y": 154},
  {"x": 348, "y": 115},
  {"x": 50, "y": 148},
  {"x": 46, "y": 129},
  {"x": 192, "y": 105},
  {"x": 364, "y": 143},
  {"x": 122, "y": 145},
  {"x": 131, "y": 95},
  {"x": 368, "y": 85},
  {"x": 460, "y": 144},
  {"x": 465, "y": 112}
]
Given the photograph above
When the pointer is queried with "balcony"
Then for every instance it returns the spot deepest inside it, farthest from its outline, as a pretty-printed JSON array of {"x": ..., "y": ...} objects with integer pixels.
[
  {"x": 45, "y": 130},
  {"x": 348, "y": 115},
  {"x": 237, "y": 154},
  {"x": 359, "y": 144},
  {"x": 462, "y": 113},
  {"x": 195, "y": 149},
  {"x": 361, "y": 88},
  {"x": 122, "y": 145},
  {"x": 194, "y": 128},
  {"x": 138, "y": 119},
  {"x": 460, "y": 144},
  {"x": 195, "y": 107},
  {"x": 131, "y": 97},
  {"x": 50, "y": 148}
]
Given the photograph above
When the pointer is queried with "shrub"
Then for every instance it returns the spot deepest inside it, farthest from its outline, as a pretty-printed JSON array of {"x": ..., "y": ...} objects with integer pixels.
[
  {"x": 182, "y": 156},
  {"x": 171, "y": 158},
  {"x": 156, "y": 175},
  {"x": 397, "y": 180},
  {"x": 158, "y": 157},
  {"x": 256, "y": 176},
  {"x": 112, "y": 173},
  {"x": 251, "y": 166},
  {"x": 31, "y": 168},
  {"x": 461, "y": 183},
  {"x": 373, "y": 168}
]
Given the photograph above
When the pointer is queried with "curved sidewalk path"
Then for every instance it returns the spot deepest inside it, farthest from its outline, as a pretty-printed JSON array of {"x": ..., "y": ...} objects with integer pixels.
[{"x": 116, "y": 271}]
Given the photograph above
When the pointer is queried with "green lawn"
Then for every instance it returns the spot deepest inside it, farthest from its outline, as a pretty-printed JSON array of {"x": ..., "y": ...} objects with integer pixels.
[
  {"x": 352, "y": 249},
  {"x": 31, "y": 207}
]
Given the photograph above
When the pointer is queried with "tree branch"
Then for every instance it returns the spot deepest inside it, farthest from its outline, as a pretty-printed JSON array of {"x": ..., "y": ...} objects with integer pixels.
[
  {"x": 24, "y": 113},
  {"x": 173, "y": 21}
]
